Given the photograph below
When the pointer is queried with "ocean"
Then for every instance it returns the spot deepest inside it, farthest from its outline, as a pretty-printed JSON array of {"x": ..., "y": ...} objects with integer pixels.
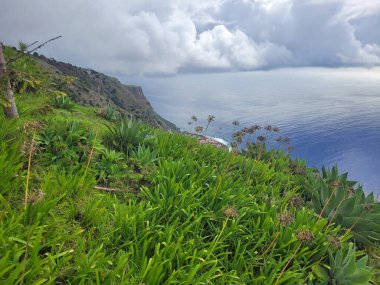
[{"x": 332, "y": 116}]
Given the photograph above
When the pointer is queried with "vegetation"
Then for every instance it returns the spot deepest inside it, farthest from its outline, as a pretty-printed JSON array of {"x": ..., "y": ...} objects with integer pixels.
[
  {"x": 9, "y": 79},
  {"x": 344, "y": 269},
  {"x": 125, "y": 135},
  {"x": 107, "y": 94},
  {"x": 334, "y": 197},
  {"x": 87, "y": 201},
  {"x": 107, "y": 113},
  {"x": 62, "y": 101}
]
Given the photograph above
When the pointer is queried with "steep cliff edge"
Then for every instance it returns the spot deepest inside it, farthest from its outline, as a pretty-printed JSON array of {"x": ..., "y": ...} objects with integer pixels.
[{"x": 92, "y": 88}]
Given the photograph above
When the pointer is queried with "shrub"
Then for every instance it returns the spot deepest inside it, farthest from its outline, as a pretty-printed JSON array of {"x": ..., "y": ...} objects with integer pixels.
[
  {"x": 107, "y": 113},
  {"x": 65, "y": 142},
  {"x": 109, "y": 165},
  {"x": 62, "y": 102},
  {"x": 125, "y": 135},
  {"x": 144, "y": 155}
]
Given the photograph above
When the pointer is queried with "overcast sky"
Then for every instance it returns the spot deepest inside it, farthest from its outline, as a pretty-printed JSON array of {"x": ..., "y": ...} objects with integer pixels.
[{"x": 161, "y": 37}]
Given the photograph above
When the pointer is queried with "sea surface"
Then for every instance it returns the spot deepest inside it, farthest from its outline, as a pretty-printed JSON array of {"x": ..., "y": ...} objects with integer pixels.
[{"x": 331, "y": 115}]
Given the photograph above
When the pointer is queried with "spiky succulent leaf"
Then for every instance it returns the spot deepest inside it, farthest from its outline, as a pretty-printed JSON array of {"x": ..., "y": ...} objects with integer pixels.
[
  {"x": 340, "y": 203},
  {"x": 345, "y": 269}
]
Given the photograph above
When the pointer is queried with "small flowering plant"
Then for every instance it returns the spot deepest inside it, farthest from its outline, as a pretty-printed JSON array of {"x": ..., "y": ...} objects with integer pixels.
[
  {"x": 199, "y": 129},
  {"x": 259, "y": 139}
]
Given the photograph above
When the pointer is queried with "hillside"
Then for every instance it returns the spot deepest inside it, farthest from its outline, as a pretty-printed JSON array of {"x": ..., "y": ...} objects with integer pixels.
[
  {"x": 93, "y": 199},
  {"x": 92, "y": 88}
]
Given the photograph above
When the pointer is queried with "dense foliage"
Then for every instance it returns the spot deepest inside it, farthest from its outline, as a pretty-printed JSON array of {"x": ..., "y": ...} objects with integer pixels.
[{"x": 87, "y": 201}]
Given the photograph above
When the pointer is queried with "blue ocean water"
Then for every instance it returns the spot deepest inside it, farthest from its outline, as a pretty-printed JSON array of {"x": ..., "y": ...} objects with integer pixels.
[{"x": 331, "y": 115}]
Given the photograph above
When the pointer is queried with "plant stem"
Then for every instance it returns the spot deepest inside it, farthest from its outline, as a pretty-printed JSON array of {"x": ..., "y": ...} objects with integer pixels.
[
  {"x": 90, "y": 156},
  {"x": 28, "y": 174},
  {"x": 269, "y": 246},
  {"x": 286, "y": 265}
]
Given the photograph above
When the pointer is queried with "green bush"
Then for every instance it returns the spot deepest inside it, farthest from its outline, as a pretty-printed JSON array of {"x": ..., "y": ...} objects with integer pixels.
[
  {"x": 65, "y": 142},
  {"x": 107, "y": 113},
  {"x": 125, "y": 135},
  {"x": 110, "y": 166},
  {"x": 62, "y": 102},
  {"x": 144, "y": 155}
]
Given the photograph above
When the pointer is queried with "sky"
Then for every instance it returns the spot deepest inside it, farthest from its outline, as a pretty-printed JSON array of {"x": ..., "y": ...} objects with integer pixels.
[{"x": 168, "y": 37}]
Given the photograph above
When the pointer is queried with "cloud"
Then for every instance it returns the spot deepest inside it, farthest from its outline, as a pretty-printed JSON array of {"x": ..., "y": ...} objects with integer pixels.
[{"x": 167, "y": 37}]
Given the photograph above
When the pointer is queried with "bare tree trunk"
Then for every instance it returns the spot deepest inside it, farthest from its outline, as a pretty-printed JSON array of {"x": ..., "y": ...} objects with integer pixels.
[
  {"x": 9, "y": 106},
  {"x": 6, "y": 92}
]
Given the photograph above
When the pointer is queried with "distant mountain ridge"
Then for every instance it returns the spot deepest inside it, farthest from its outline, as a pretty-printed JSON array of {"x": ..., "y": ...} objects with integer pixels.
[{"x": 92, "y": 88}]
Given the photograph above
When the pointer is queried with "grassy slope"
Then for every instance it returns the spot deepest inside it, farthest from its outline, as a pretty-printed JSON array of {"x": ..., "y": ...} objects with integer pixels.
[{"x": 191, "y": 214}]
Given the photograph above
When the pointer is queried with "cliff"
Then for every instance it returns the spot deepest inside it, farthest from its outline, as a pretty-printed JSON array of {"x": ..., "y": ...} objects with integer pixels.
[{"x": 92, "y": 88}]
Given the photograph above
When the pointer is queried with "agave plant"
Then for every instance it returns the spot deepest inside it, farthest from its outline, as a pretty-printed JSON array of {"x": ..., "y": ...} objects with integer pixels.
[
  {"x": 110, "y": 114},
  {"x": 145, "y": 155},
  {"x": 344, "y": 269},
  {"x": 334, "y": 198},
  {"x": 125, "y": 135},
  {"x": 107, "y": 113},
  {"x": 108, "y": 166},
  {"x": 61, "y": 101}
]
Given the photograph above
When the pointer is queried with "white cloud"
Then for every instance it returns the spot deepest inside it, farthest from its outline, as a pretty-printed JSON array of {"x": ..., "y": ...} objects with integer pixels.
[{"x": 166, "y": 37}]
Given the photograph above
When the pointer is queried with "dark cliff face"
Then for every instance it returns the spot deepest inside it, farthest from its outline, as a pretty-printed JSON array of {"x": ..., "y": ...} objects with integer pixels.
[{"x": 92, "y": 88}]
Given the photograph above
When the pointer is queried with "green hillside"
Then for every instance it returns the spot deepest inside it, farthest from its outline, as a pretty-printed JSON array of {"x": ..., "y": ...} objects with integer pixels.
[
  {"x": 92, "y": 88},
  {"x": 89, "y": 197}
]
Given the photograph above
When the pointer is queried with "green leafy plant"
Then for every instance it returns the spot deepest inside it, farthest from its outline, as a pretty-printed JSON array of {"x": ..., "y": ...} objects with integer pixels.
[
  {"x": 109, "y": 165},
  {"x": 62, "y": 101},
  {"x": 125, "y": 135},
  {"x": 107, "y": 113},
  {"x": 334, "y": 197},
  {"x": 66, "y": 142},
  {"x": 10, "y": 167},
  {"x": 345, "y": 269},
  {"x": 144, "y": 155}
]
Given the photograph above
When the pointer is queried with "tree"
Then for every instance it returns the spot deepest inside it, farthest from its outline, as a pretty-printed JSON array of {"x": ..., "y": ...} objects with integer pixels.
[{"x": 6, "y": 90}]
